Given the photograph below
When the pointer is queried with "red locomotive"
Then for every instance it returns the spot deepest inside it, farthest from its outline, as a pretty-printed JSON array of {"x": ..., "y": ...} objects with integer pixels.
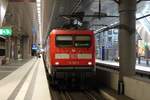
[{"x": 71, "y": 51}]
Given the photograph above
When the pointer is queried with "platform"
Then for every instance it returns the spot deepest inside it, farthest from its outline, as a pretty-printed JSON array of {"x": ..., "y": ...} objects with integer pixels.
[{"x": 28, "y": 82}]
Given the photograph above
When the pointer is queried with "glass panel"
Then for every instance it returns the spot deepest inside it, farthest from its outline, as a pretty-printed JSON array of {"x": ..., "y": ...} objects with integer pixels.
[
  {"x": 64, "y": 38},
  {"x": 107, "y": 46},
  {"x": 64, "y": 41},
  {"x": 82, "y": 38},
  {"x": 82, "y": 41},
  {"x": 70, "y": 41}
]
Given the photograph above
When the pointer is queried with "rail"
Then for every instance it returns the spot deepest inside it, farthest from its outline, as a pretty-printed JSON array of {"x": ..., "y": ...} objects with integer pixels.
[{"x": 114, "y": 67}]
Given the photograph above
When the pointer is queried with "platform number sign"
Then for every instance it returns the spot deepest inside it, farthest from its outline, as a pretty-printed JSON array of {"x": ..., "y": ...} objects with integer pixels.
[
  {"x": 6, "y": 31},
  {"x": 34, "y": 47}
]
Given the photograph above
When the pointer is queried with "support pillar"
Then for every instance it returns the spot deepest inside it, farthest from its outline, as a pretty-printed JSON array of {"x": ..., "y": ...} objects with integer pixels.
[
  {"x": 30, "y": 46},
  {"x": 15, "y": 48},
  {"x": 127, "y": 44},
  {"x": 12, "y": 48},
  {"x": 147, "y": 55},
  {"x": 25, "y": 47},
  {"x": 8, "y": 49}
]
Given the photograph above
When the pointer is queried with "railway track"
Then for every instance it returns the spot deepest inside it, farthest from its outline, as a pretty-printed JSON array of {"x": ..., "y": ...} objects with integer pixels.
[{"x": 75, "y": 95}]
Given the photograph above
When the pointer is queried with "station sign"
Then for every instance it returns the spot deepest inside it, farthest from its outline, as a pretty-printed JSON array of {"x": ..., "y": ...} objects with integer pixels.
[
  {"x": 6, "y": 31},
  {"x": 34, "y": 47}
]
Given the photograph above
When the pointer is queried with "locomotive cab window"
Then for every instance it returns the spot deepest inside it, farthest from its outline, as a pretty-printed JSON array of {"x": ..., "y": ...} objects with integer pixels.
[
  {"x": 64, "y": 41},
  {"x": 82, "y": 41}
]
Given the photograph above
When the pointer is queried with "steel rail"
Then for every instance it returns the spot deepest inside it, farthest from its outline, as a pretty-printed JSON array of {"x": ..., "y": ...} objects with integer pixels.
[{"x": 89, "y": 95}]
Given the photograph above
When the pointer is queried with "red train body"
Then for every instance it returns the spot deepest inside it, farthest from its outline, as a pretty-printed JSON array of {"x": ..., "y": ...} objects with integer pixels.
[{"x": 71, "y": 51}]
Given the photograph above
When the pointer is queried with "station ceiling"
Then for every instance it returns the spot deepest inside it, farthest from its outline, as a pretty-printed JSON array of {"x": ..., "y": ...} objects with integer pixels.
[
  {"x": 25, "y": 11},
  {"x": 67, "y": 7}
]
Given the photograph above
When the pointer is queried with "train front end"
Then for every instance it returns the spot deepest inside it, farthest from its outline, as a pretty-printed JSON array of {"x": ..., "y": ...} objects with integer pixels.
[{"x": 72, "y": 51}]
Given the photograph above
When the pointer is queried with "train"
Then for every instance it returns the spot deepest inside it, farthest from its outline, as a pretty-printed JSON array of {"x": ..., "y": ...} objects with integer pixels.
[{"x": 71, "y": 53}]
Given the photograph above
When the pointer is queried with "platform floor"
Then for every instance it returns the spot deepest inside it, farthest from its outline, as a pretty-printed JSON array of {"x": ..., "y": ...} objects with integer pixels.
[
  {"x": 24, "y": 80},
  {"x": 6, "y": 69}
]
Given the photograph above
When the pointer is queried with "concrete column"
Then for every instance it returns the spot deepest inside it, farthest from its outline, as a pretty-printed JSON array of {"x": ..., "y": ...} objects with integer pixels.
[
  {"x": 21, "y": 47},
  {"x": 30, "y": 46},
  {"x": 25, "y": 49},
  {"x": 8, "y": 49},
  {"x": 12, "y": 48},
  {"x": 147, "y": 55},
  {"x": 15, "y": 48},
  {"x": 127, "y": 44}
]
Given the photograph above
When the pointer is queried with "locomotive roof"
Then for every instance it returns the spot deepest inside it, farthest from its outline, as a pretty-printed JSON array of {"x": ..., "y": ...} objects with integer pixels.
[{"x": 75, "y": 31}]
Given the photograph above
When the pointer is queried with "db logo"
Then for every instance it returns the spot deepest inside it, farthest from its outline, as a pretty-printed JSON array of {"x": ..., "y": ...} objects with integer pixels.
[{"x": 73, "y": 50}]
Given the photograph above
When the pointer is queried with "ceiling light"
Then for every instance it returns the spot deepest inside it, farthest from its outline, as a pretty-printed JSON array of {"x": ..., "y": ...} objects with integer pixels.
[
  {"x": 38, "y": 9},
  {"x": 38, "y": 12},
  {"x": 38, "y": 4},
  {"x": 38, "y": 0}
]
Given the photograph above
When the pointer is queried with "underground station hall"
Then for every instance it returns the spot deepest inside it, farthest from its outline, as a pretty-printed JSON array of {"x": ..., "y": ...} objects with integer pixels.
[{"x": 74, "y": 49}]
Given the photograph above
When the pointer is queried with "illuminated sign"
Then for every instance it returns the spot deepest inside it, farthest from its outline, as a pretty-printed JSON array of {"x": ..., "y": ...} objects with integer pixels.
[
  {"x": 6, "y": 31},
  {"x": 34, "y": 47}
]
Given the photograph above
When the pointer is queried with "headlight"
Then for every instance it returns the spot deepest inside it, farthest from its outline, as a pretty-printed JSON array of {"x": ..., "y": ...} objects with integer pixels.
[
  {"x": 89, "y": 63},
  {"x": 56, "y": 63}
]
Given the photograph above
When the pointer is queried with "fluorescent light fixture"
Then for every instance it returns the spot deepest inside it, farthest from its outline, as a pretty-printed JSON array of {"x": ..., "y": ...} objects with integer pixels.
[
  {"x": 38, "y": 12},
  {"x": 38, "y": 4},
  {"x": 2, "y": 12},
  {"x": 39, "y": 16},
  {"x": 38, "y": 9},
  {"x": 38, "y": 0}
]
